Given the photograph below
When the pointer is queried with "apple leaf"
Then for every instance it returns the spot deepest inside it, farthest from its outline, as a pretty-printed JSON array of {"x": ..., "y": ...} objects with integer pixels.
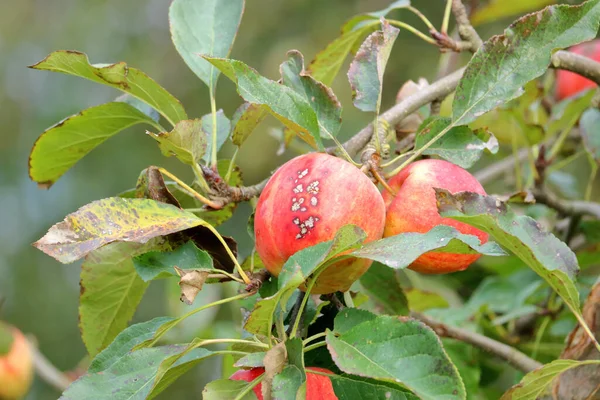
[
  {"x": 359, "y": 20},
  {"x": 204, "y": 27},
  {"x": 287, "y": 383},
  {"x": 533, "y": 384},
  {"x": 505, "y": 63},
  {"x": 109, "y": 220},
  {"x": 223, "y": 131},
  {"x": 160, "y": 264},
  {"x": 252, "y": 360},
  {"x": 186, "y": 141},
  {"x": 227, "y": 389},
  {"x": 397, "y": 350},
  {"x": 590, "y": 132},
  {"x": 465, "y": 358},
  {"x": 566, "y": 113},
  {"x": 245, "y": 119},
  {"x": 322, "y": 98},
  {"x": 367, "y": 68},
  {"x": 422, "y": 300},
  {"x": 350, "y": 387},
  {"x": 460, "y": 145},
  {"x": 498, "y": 9},
  {"x": 59, "y": 147},
  {"x": 282, "y": 102},
  {"x": 399, "y": 251},
  {"x": 295, "y": 271},
  {"x": 119, "y": 76},
  {"x": 381, "y": 284}
]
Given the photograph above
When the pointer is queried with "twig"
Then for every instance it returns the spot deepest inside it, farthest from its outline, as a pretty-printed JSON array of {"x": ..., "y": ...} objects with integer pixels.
[
  {"x": 581, "y": 65},
  {"x": 257, "y": 279},
  {"x": 493, "y": 171},
  {"x": 465, "y": 30},
  {"x": 225, "y": 194},
  {"x": 567, "y": 207},
  {"x": 48, "y": 372},
  {"x": 508, "y": 353}
]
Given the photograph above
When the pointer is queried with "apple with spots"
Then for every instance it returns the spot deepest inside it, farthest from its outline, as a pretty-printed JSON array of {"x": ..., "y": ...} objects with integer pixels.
[
  {"x": 306, "y": 202},
  {"x": 414, "y": 209},
  {"x": 16, "y": 363},
  {"x": 318, "y": 387}
]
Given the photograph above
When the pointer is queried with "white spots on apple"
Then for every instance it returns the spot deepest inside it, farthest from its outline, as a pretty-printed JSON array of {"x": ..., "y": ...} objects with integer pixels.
[
  {"x": 302, "y": 174},
  {"x": 313, "y": 187},
  {"x": 298, "y": 188},
  {"x": 313, "y": 201},
  {"x": 303, "y": 202}
]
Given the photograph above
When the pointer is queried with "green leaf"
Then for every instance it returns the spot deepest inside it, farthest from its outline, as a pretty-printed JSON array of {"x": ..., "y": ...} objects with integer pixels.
[
  {"x": 399, "y": 251},
  {"x": 124, "y": 342},
  {"x": 159, "y": 264},
  {"x": 295, "y": 271},
  {"x": 367, "y": 68},
  {"x": 251, "y": 360},
  {"x": 498, "y": 9},
  {"x": 226, "y": 389},
  {"x": 505, "y": 63},
  {"x": 354, "y": 388},
  {"x": 590, "y": 132},
  {"x": 245, "y": 119},
  {"x": 533, "y": 384},
  {"x": 541, "y": 251},
  {"x": 186, "y": 141},
  {"x": 59, "y": 147},
  {"x": 223, "y": 130},
  {"x": 460, "y": 145},
  {"x": 397, "y": 350},
  {"x": 321, "y": 97},
  {"x": 287, "y": 383},
  {"x": 566, "y": 113},
  {"x": 464, "y": 357},
  {"x": 282, "y": 102},
  {"x": 110, "y": 293},
  {"x": 420, "y": 300},
  {"x": 113, "y": 219},
  {"x": 119, "y": 76},
  {"x": 356, "y": 21},
  {"x": 204, "y": 27},
  {"x": 381, "y": 284},
  {"x": 348, "y": 318}
]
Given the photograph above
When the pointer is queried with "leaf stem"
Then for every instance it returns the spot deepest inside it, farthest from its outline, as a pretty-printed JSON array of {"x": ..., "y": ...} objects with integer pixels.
[
  {"x": 564, "y": 162},
  {"x": 249, "y": 387},
  {"x": 423, "y": 17},
  {"x": 231, "y": 164},
  {"x": 303, "y": 304},
  {"x": 413, "y": 30},
  {"x": 200, "y": 177},
  {"x": 446, "y": 20},
  {"x": 382, "y": 180},
  {"x": 395, "y": 159},
  {"x": 230, "y": 253},
  {"x": 314, "y": 346},
  {"x": 348, "y": 299},
  {"x": 213, "y": 111},
  {"x": 188, "y": 189},
  {"x": 313, "y": 337}
]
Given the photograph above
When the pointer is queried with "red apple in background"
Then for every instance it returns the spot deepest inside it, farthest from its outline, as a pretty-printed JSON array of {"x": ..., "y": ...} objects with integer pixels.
[
  {"x": 569, "y": 83},
  {"x": 414, "y": 209},
  {"x": 16, "y": 364},
  {"x": 318, "y": 387},
  {"x": 306, "y": 202}
]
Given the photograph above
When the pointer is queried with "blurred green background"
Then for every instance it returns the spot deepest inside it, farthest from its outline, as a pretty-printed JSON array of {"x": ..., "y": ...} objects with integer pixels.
[{"x": 41, "y": 295}]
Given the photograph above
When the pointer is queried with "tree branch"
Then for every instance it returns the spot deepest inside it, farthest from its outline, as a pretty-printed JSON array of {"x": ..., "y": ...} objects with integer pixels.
[
  {"x": 48, "y": 372},
  {"x": 508, "y": 353},
  {"x": 567, "y": 207},
  {"x": 465, "y": 30},
  {"x": 225, "y": 194},
  {"x": 581, "y": 65}
]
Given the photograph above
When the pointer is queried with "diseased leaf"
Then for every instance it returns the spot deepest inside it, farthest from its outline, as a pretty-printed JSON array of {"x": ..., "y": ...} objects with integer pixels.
[
  {"x": 590, "y": 132},
  {"x": 397, "y": 350},
  {"x": 541, "y": 251},
  {"x": 186, "y": 141},
  {"x": 282, "y": 102},
  {"x": 399, "y": 251},
  {"x": 119, "y": 76},
  {"x": 498, "y": 9},
  {"x": 160, "y": 264},
  {"x": 505, "y": 63},
  {"x": 321, "y": 98},
  {"x": 533, "y": 384},
  {"x": 59, "y": 147},
  {"x": 460, "y": 145},
  {"x": 367, "y": 68},
  {"x": 223, "y": 130},
  {"x": 191, "y": 283},
  {"x": 113, "y": 219},
  {"x": 204, "y": 27},
  {"x": 381, "y": 284},
  {"x": 245, "y": 119}
]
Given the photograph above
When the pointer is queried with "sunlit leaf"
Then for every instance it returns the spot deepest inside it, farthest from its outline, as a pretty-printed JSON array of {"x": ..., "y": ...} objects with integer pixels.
[
  {"x": 245, "y": 119},
  {"x": 186, "y": 141},
  {"x": 498, "y": 9}
]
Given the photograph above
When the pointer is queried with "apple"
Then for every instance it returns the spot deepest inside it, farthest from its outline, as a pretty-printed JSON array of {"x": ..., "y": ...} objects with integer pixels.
[
  {"x": 414, "y": 209},
  {"x": 318, "y": 387},
  {"x": 569, "y": 83},
  {"x": 306, "y": 202},
  {"x": 16, "y": 363}
]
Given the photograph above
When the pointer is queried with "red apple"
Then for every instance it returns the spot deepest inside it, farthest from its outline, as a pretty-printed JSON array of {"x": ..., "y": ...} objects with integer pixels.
[
  {"x": 569, "y": 83},
  {"x": 306, "y": 202},
  {"x": 16, "y": 365},
  {"x": 318, "y": 387},
  {"x": 414, "y": 209}
]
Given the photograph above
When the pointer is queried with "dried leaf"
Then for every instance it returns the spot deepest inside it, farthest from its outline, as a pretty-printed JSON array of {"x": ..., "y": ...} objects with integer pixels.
[{"x": 191, "y": 283}]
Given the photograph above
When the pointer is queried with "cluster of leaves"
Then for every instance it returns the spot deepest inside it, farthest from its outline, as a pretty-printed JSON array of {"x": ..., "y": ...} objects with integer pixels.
[{"x": 164, "y": 229}]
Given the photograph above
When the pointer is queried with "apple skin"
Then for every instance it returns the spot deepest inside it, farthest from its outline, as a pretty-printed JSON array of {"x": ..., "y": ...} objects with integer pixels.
[
  {"x": 414, "y": 209},
  {"x": 569, "y": 83},
  {"x": 16, "y": 366},
  {"x": 318, "y": 387},
  {"x": 306, "y": 202}
]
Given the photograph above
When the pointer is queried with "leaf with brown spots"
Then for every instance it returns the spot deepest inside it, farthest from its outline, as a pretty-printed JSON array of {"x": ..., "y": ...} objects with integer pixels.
[
  {"x": 186, "y": 141},
  {"x": 505, "y": 63},
  {"x": 245, "y": 119},
  {"x": 119, "y": 76},
  {"x": 111, "y": 220},
  {"x": 191, "y": 283}
]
